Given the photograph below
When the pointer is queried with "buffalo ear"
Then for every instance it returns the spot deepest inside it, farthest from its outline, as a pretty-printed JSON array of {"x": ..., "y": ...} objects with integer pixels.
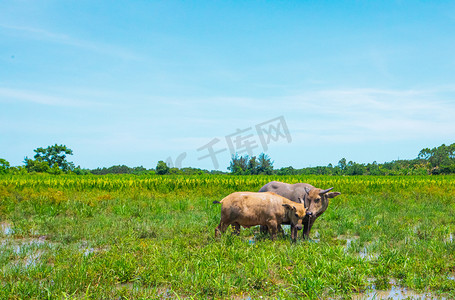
[
  {"x": 289, "y": 206},
  {"x": 333, "y": 194},
  {"x": 307, "y": 190}
]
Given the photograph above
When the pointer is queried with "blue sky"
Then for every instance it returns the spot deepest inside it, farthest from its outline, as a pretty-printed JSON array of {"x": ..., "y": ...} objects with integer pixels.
[{"x": 134, "y": 82}]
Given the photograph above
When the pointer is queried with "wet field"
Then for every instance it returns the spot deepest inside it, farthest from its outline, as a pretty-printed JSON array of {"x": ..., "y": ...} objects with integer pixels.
[{"x": 99, "y": 243}]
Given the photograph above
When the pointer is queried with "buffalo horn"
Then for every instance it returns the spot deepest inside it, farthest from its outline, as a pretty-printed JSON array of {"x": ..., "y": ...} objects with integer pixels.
[{"x": 325, "y": 191}]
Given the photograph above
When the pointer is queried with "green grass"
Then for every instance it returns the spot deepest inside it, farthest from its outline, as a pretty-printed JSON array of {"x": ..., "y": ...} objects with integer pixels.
[{"x": 153, "y": 237}]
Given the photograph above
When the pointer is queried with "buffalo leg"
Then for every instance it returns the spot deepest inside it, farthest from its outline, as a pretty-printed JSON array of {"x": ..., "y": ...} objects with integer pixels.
[
  {"x": 264, "y": 229},
  {"x": 272, "y": 229},
  {"x": 236, "y": 228},
  {"x": 281, "y": 230},
  {"x": 293, "y": 233},
  {"x": 307, "y": 224},
  {"x": 221, "y": 228}
]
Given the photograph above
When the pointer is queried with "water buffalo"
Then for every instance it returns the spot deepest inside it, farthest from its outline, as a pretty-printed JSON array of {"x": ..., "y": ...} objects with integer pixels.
[
  {"x": 250, "y": 209},
  {"x": 315, "y": 200}
]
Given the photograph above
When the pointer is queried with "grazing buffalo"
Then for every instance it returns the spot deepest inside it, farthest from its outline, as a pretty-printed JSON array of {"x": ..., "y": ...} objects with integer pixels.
[
  {"x": 269, "y": 209},
  {"x": 315, "y": 200}
]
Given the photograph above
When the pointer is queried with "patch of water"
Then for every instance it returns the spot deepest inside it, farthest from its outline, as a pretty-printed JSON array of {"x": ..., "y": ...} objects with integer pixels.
[
  {"x": 6, "y": 228},
  {"x": 316, "y": 237},
  {"x": 395, "y": 293},
  {"x": 367, "y": 255},
  {"x": 165, "y": 294},
  {"x": 28, "y": 251},
  {"x": 32, "y": 259},
  {"x": 450, "y": 238},
  {"x": 451, "y": 276},
  {"x": 349, "y": 240},
  {"x": 364, "y": 253},
  {"x": 86, "y": 250},
  {"x": 20, "y": 245}
]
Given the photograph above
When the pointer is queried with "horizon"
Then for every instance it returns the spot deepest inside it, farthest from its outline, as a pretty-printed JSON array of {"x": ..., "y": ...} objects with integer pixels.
[
  {"x": 307, "y": 83},
  {"x": 171, "y": 164}
]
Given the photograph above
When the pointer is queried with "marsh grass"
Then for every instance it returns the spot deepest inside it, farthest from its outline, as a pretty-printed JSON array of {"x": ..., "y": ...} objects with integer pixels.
[{"x": 63, "y": 239}]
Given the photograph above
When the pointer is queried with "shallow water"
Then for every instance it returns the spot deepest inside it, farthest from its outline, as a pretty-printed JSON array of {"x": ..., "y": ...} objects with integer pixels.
[
  {"x": 33, "y": 259},
  {"x": 367, "y": 255},
  {"x": 6, "y": 228},
  {"x": 315, "y": 237},
  {"x": 349, "y": 240},
  {"x": 395, "y": 293},
  {"x": 29, "y": 251},
  {"x": 86, "y": 250}
]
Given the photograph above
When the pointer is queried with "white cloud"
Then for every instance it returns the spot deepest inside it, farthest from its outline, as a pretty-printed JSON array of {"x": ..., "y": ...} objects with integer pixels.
[
  {"x": 65, "y": 39},
  {"x": 7, "y": 95},
  {"x": 373, "y": 114}
]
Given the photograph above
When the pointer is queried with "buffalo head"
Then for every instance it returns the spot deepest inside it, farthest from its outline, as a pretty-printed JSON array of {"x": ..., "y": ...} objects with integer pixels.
[
  {"x": 317, "y": 200},
  {"x": 295, "y": 214}
]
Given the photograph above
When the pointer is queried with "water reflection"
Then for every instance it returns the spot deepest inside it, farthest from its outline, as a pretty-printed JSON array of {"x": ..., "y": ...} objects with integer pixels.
[
  {"x": 6, "y": 228},
  {"x": 395, "y": 293}
]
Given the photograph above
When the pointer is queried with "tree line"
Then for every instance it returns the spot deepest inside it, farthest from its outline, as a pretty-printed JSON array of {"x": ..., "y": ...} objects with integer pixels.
[{"x": 53, "y": 160}]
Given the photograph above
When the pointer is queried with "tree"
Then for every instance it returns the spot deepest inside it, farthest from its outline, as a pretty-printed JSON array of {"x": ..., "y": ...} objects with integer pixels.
[
  {"x": 36, "y": 166},
  {"x": 175, "y": 171},
  {"x": 439, "y": 156},
  {"x": 286, "y": 171},
  {"x": 342, "y": 164},
  {"x": 162, "y": 168},
  {"x": 55, "y": 154},
  {"x": 4, "y": 166},
  {"x": 79, "y": 171},
  {"x": 265, "y": 164},
  {"x": 374, "y": 169},
  {"x": 55, "y": 170},
  {"x": 253, "y": 166},
  {"x": 354, "y": 168},
  {"x": 238, "y": 165}
]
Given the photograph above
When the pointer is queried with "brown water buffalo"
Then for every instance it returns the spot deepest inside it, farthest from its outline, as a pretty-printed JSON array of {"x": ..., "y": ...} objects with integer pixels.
[
  {"x": 315, "y": 200},
  {"x": 269, "y": 209}
]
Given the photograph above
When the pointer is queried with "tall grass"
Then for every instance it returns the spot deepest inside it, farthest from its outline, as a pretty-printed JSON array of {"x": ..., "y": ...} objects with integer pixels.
[{"x": 105, "y": 237}]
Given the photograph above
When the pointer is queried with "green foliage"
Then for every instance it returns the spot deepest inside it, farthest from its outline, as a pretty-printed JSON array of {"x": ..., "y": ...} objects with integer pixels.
[
  {"x": 4, "y": 166},
  {"x": 244, "y": 165},
  {"x": 439, "y": 156},
  {"x": 265, "y": 164},
  {"x": 149, "y": 237},
  {"x": 162, "y": 168},
  {"x": 55, "y": 170},
  {"x": 253, "y": 166},
  {"x": 50, "y": 160},
  {"x": 55, "y": 154},
  {"x": 80, "y": 171},
  {"x": 19, "y": 170},
  {"x": 239, "y": 165},
  {"x": 286, "y": 171},
  {"x": 37, "y": 166},
  {"x": 118, "y": 169}
]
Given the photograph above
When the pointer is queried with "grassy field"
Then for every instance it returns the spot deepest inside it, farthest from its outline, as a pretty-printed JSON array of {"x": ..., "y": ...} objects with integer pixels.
[{"x": 110, "y": 237}]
